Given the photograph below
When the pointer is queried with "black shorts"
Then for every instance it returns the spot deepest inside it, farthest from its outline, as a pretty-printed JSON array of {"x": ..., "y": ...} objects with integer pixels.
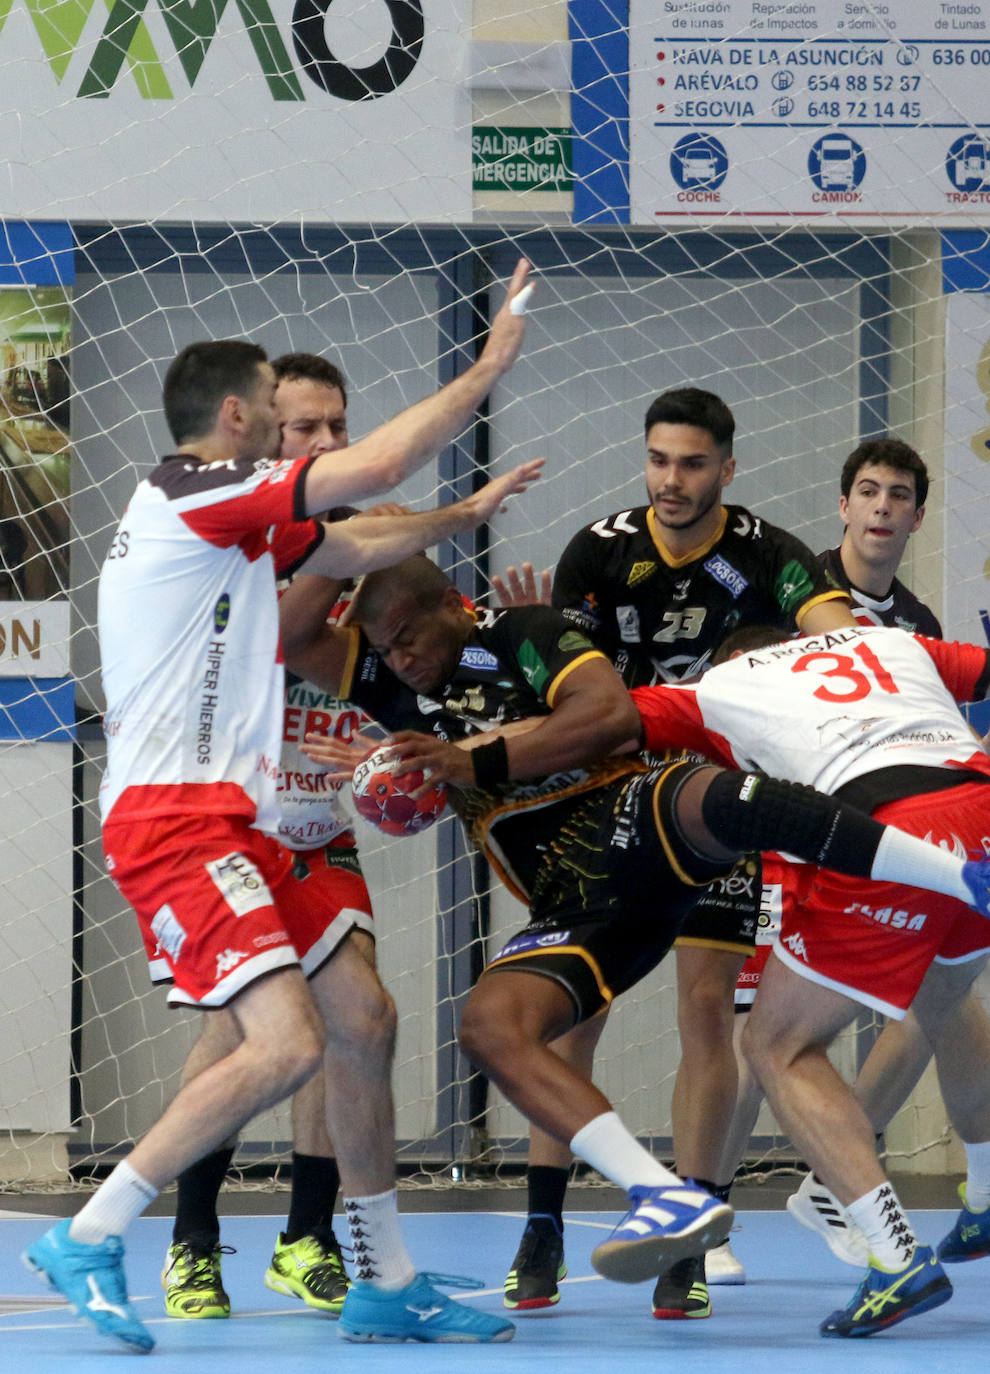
[
  {"x": 610, "y": 894},
  {"x": 727, "y": 915}
]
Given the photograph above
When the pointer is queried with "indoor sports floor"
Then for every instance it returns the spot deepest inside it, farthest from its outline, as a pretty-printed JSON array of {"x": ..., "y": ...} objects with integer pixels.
[{"x": 768, "y": 1325}]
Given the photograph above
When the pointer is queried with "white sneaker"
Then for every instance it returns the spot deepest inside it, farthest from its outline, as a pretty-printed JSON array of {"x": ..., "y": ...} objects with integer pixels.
[
  {"x": 818, "y": 1209},
  {"x": 721, "y": 1266}
]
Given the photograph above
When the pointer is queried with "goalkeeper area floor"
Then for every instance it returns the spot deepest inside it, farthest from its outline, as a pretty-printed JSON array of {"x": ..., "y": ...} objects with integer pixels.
[{"x": 770, "y": 1324}]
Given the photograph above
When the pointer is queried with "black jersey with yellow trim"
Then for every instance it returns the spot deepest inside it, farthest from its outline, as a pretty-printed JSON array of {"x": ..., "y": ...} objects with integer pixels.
[
  {"x": 510, "y": 669},
  {"x": 661, "y": 618}
]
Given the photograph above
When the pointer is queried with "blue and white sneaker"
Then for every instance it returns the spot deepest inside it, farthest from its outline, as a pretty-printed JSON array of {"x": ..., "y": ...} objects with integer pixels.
[
  {"x": 91, "y": 1277},
  {"x": 976, "y": 876},
  {"x": 663, "y": 1225},
  {"x": 885, "y": 1298},
  {"x": 417, "y": 1312},
  {"x": 969, "y": 1238}
]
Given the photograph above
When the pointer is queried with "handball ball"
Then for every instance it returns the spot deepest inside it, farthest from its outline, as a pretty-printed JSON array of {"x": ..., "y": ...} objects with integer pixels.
[{"x": 382, "y": 797}]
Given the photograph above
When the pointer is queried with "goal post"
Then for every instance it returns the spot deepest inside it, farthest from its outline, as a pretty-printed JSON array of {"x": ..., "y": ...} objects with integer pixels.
[{"x": 225, "y": 185}]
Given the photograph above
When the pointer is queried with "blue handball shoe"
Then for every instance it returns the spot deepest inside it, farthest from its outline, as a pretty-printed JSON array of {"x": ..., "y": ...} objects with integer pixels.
[
  {"x": 976, "y": 876},
  {"x": 969, "y": 1239},
  {"x": 663, "y": 1225},
  {"x": 91, "y": 1278},
  {"x": 417, "y": 1312},
  {"x": 885, "y": 1298}
]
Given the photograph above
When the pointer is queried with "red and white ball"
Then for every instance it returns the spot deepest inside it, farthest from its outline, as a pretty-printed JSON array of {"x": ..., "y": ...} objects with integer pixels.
[{"x": 381, "y": 795}]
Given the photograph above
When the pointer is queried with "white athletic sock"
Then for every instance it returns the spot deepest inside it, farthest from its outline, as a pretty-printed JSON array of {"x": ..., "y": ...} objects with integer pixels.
[
  {"x": 608, "y": 1147},
  {"x": 115, "y": 1204},
  {"x": 901, "y": 858},
  {"x": 880, "y": 1217},
  {"x": 978, "y": 1175},
  {"x": 380, "y": 1254}
]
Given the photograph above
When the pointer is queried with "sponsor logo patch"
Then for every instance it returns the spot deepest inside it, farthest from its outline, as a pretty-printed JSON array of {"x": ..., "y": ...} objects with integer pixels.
[
  {"x": 221, "y": 613},
  {"x": 241, "y": 885},
  {"x": 167, "y": 931},
  {"x": 627, "y": 618},
  {"x": 474, "y": 656},
  {"x": 531, "y": 942},
  {"x": 723, "y": 572}
]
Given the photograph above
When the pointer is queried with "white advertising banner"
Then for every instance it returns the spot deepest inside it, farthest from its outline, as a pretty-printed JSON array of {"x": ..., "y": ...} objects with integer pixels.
[
  {"x": 773, "y": 110},
  {"x": 967, "y": 468},
  {"x": 34, "y": 639},
  {"x": 254, "y": 110}
]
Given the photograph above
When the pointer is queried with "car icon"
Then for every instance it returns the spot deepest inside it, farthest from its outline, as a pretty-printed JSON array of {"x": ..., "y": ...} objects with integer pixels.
[{"x": 698, "y": 164}]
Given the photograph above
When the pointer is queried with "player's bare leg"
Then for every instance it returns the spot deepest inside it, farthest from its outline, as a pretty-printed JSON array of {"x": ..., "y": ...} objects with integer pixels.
[
  {"x": 790, "y": 1026},
  {"x": 749, "y": 1099},
  {"x": 510, "y": 1022},
  {"x": 788, "y": 1030},
  {"x": 954, "y": 1018},
  {"x": 538, "y": 1265},
  {"x": 705, "y": 1088}
]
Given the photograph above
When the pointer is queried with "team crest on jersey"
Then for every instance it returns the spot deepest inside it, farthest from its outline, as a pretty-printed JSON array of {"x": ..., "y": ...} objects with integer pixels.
[
  {"x": 627, "y": 619},
  {"x": 723, "y": 572},
  {"x": 241, "y": 885},
  {"x": 573, "y": 640},
  {"x": 640, "y": 572}
]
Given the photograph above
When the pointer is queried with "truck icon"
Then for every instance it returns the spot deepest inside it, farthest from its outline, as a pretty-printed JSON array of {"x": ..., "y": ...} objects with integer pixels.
[
  {"x": 971, "y": 164},
  {"x": 837, "y": 164}
]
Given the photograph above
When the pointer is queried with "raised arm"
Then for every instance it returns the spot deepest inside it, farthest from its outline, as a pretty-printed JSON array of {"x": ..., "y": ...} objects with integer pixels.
[
  {"x": 364, "y": 543},
  {"x": 394, "y": 450}
]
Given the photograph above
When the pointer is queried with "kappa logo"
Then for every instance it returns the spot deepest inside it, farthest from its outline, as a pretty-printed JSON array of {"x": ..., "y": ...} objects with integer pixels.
[
  {"x": 229, "y": 959},
  {"x": 795, "y": 943}
]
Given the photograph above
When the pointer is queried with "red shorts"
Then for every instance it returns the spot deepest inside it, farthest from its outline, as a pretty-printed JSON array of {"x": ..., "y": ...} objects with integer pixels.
[
  {"x": 874, "y": 941},
  {"x": 220, "y": 904}
]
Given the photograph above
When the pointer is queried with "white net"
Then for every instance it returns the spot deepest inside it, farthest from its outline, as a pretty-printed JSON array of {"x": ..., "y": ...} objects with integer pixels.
[{"x": 212, "y": 170}]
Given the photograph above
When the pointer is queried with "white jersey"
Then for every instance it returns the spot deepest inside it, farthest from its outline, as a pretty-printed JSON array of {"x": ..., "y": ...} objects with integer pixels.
[
  {"x": 188, "y": 625},
  {"x": 312, "y": 812},
  {"x": 827, "y": 709}
]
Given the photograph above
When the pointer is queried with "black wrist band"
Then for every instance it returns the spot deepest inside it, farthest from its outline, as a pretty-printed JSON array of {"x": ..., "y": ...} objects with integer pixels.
[{"x": 491, "y": 763}]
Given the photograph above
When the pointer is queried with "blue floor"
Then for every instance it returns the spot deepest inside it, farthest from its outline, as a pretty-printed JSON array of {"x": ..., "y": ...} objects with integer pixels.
[{"x": 770, "y": 1324}]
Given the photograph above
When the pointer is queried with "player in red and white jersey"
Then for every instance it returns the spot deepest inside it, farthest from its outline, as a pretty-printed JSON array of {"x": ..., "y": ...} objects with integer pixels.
[
  {"x": 868, "y": 715},
  {"x": 311, "y": 400},
  {"x": 192, "y": 568}
]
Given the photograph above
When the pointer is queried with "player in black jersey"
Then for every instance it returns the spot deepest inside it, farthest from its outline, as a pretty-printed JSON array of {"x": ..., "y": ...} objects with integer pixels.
[
  {"x": 884, "y": 487},
  {"x": 658, "y": 588},
  {"x": 584, "y": 837}
]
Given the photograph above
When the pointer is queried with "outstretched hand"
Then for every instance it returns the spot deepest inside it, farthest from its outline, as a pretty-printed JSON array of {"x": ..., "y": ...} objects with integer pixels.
[
  {"x": 491, "y": 497},
  {"x": 520, "y": 587},
  {"x": 508, "y": 328}
]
